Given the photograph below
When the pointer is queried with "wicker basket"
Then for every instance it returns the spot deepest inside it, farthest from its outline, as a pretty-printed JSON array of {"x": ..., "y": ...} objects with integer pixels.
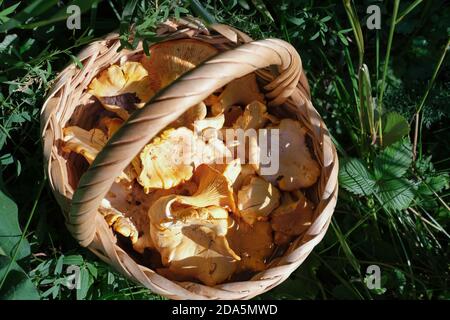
[{"x": 79, "y": 190}]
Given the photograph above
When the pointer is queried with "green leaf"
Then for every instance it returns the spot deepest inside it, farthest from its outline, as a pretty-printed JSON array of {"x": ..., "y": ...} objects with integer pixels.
[
  {"x": 355, "y": 178},
  {"x": 179, "y": 11},
  {"x": 76, "y": 260},
  {"x": 343, "y": 39},
  {"x": 395, "y": 127},
  {"x": 396, "y": 194},
  {"x": 434, "y": 184},
  {"x": 315, "y": 36},
  {"x": 4, "y": 14},
  {"x": 6, "y": 44},
  {"x": 35, "y": 8},
  {"x": 201, "y": 11},
  {"x": 86, "y": 281},
  {"x": 53, "y": 290},
  {"x": 244, "y": 4},
  {"x": 28, "y": 17},
  {"x": 259, "y": 4},
  {"x": 393, "y": 161},
  {"x": 59, "y": 265},
  {"x": 77, "y": 61},
  {"x": 10, "y": 232},
  {"x": 92, "y": 269},
  {"x": 296, "y": 21},
  {"x": 17, "y": 285}
]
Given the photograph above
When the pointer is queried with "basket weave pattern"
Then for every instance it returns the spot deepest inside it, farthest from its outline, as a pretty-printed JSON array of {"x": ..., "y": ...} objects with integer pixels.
[{"x": 286, "y": 88}]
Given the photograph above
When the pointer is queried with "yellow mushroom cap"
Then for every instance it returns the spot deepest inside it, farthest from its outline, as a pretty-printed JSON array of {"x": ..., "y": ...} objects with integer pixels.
[
  {"x": 166, "y": 160},
  {"x": 122, "y": 89},
  {"x": 241, "y": 91},
  {"x": 170, "y": 59},
  {"x": 292, "y": 217},
  {"x": 87, "y": 143},
  {"x": 257, "y": 199},
  {"x": 253, "y": 243},
  {"x": 297, "y": 167}
]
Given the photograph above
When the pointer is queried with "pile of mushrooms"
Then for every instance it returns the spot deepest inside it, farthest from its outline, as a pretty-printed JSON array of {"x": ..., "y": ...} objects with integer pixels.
[{"x": 212, "y": 215}]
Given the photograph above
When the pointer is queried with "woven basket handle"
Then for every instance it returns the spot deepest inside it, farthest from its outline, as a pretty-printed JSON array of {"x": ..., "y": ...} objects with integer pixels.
[{"x": 190, "y": 89}]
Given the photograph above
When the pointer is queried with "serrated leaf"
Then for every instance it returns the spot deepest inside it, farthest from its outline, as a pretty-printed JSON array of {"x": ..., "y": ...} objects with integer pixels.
[
  {"x": 17, "y": 285},
  {"x": 396, "y": 193},
  {"x": 434, "y": 183},
  {"x": 393, "y": 161},
  {"x": 395, "y": 127},
  {"x": 10, "y": 232},
  {"x": 355, "y": 178}
]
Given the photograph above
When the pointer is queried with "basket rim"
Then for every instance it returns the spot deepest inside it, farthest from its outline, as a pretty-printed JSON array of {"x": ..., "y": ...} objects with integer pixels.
[{"x": 289, "y": 261}]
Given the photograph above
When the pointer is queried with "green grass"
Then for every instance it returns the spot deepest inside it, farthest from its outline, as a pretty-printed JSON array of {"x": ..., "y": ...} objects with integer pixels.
[{"x": 393, "y": 208}]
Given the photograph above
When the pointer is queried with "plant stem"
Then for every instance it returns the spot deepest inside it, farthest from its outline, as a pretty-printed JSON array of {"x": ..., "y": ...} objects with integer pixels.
[
  {"x": 201, "y": 11},
  {"x": 354, "y": 21},
  {"x": 436, "y": 71},
  {"x": 385, "y": 69},
  {"x": 410, "y": 8},
  {"x": 425, "y": 96},
  {"x": 377, "y": 60}
]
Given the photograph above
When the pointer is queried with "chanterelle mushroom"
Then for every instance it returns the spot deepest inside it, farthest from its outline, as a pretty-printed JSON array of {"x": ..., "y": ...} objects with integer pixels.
[
  {"x": 253, "y": 243},
  {"x": 214, "y": 188},
  {"x": 170, "y": 59},
  {"x": 257, "y": 199},
  {"x": 134, "y": 169},
  {"x": 118, "y": 221},
  {"x": 189, "y": 118},
  {"x": 291, "y": 218},
  {"x": 88, "y": 144},
  {"x": 246, "y": 173},
  {"x": 254, "y": 116},
  {"x": 231, "y": 171},
  {"x": 297, "y": 168},
  {"x": 189, "y": 231},
  {"x": 241, "y": 91},
  {"x": 215, "y": 123},
  {"x": 122, "y": 89},
  {"x": 231, "y": 115},
  {"x": 171, "y": 157},
  {"x": 138, "y": 212},
  {"x": 166, "y": 160}
]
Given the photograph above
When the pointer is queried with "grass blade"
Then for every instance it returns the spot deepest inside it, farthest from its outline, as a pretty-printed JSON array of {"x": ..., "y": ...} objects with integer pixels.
[{"x": 386, "y": 64}]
